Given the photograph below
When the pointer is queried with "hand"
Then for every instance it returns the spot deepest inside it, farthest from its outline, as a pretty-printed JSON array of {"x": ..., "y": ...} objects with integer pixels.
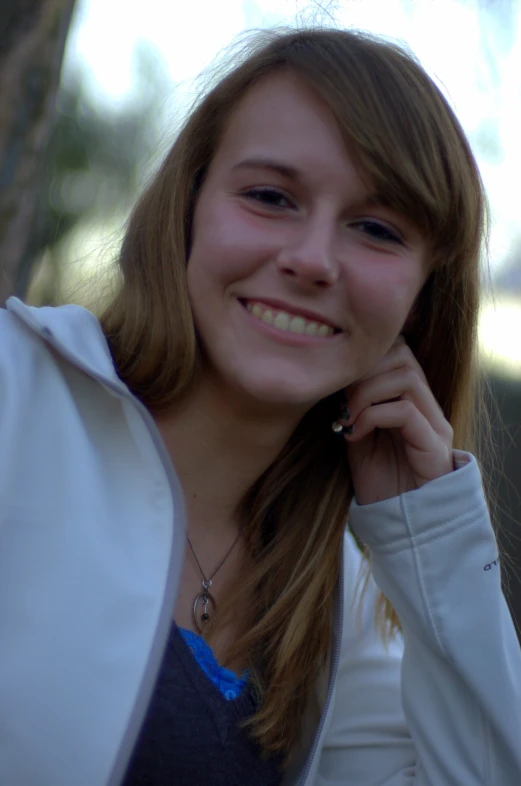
[{"x": 401, "y": 439}]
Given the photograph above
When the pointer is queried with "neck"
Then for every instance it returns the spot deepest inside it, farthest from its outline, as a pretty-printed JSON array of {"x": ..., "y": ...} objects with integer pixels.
[{"x": 219, "y": 449}]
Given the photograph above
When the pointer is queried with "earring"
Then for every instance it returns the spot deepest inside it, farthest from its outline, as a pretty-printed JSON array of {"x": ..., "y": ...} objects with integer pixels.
[{"x": 337, "y": 426}]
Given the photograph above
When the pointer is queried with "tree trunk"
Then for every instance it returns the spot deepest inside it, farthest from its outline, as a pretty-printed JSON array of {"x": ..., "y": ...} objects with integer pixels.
[{"x": 32, "y": 42}]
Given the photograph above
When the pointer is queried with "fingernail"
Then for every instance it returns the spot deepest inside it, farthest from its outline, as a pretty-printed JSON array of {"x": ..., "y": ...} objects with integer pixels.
[{"x": 345, "y": 412}]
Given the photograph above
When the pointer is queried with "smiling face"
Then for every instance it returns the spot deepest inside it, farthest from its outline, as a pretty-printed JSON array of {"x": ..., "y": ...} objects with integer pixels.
[{"x": 299, "y": 278}]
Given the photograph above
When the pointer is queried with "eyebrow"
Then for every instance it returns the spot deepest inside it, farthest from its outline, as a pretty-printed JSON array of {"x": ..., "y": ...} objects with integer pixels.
[
  {"x": 270, "y": 163},
  {"x": 371, "y": 200}
]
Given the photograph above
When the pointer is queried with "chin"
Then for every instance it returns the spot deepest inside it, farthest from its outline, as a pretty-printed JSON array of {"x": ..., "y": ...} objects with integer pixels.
[{"x": 283, "y": 393}]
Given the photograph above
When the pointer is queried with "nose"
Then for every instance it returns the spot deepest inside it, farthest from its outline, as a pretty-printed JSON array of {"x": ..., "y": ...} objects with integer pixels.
[{"x": 309, "y": 255}]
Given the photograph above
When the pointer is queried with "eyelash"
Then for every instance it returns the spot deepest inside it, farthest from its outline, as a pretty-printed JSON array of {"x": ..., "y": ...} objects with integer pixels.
[
  {"x": 258, "y": 194},
  {"x": 379, "y": 232}
]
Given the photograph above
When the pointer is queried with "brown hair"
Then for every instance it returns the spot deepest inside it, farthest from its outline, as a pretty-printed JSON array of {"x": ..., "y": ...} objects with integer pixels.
[{"x": 408, "y": 139}]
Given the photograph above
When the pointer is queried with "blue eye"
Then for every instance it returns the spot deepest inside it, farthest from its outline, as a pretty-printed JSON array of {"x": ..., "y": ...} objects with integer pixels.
[
  {"x": 268, "y": 196},
  {"x": 380, "y": 232}
]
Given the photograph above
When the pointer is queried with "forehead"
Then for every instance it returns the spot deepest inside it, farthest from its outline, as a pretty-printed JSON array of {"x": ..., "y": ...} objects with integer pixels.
[{"x": 282, "y": 117}]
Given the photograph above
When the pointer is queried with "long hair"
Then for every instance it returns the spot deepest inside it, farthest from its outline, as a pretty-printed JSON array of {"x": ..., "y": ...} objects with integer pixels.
[{"x": 407, "y": 138}]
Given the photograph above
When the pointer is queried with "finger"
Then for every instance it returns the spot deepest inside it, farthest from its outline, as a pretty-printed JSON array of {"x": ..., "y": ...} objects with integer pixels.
[
  {"x": 429, "y": 453},
  {"x": 402, "y": 415},
  {"x": 399, "y": 355},
  {"x": 402, "y": 383}
]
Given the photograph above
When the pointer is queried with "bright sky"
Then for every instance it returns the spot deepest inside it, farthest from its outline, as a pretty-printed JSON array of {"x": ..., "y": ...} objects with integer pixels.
[{"x": 471, "y": 47}]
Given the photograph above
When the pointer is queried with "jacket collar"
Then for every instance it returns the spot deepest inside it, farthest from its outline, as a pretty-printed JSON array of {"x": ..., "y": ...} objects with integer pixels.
[{"x": 74, "y": 332}]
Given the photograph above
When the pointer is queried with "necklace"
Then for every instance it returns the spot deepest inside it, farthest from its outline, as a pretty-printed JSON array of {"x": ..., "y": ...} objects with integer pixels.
[{"x": 204, "y": 618}]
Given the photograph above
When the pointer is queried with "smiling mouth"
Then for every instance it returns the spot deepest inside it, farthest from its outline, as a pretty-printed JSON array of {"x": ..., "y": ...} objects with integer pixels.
[{"x": 287, "y": 322}]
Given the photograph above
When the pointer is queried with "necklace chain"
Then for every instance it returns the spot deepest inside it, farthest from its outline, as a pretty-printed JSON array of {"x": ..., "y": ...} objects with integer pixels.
[
  {"x": 208, "y": 581},
  {"x": 203, "y": 618}
]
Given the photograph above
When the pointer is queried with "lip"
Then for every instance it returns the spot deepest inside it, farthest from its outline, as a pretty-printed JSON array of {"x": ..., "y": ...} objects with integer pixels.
[{"x": 292, "y": 309}]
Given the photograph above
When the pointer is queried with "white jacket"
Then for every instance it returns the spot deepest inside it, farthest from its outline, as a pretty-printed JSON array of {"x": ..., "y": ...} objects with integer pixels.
[{"x": 92, "y": 529}]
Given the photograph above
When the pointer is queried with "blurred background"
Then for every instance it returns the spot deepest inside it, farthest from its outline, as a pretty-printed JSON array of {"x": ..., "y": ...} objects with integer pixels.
[{"x": 93, "y": 91}]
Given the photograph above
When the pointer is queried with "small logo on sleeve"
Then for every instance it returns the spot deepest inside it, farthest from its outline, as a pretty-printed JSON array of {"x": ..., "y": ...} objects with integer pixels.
[{"x": 492, "y": 564}]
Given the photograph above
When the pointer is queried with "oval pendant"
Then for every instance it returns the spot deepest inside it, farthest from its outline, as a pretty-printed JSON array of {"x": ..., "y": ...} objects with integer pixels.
[{"x": 203, "y": 617}]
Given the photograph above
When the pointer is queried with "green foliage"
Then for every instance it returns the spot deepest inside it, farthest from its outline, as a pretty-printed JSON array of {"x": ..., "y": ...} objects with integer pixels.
[{"x": 96, "y": 157}]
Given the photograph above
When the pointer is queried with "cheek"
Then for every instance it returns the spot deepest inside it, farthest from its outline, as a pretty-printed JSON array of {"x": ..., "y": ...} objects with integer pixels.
[
  {"x": 227, "y": 248},
  {"x": 228, "y": 244},
  {"x": 383, "y": 294}
]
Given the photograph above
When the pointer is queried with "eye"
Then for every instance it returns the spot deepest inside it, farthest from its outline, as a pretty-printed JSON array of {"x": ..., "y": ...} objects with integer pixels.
[
  {"x": 380, "y": 232},
  {"x": 268, "y": 196}
]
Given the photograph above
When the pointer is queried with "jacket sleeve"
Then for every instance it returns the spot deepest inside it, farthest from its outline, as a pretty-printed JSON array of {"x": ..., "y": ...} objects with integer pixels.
[{"x": 442, "y": 706}]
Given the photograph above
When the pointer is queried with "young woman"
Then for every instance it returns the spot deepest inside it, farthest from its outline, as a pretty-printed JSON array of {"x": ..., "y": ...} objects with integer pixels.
[{"x": 292, "y": 347}]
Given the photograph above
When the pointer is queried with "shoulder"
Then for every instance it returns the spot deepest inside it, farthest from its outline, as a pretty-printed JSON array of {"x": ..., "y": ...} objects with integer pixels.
[
  {"x": 12, "y": 332},
  {"x": 69, "y": 332},
  {"x": 19, "y": 351},
  {"x": 27, "y": 359}
]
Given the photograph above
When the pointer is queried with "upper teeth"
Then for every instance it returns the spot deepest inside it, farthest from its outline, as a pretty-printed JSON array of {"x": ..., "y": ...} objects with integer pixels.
[{"x": 289, "y": 322}]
